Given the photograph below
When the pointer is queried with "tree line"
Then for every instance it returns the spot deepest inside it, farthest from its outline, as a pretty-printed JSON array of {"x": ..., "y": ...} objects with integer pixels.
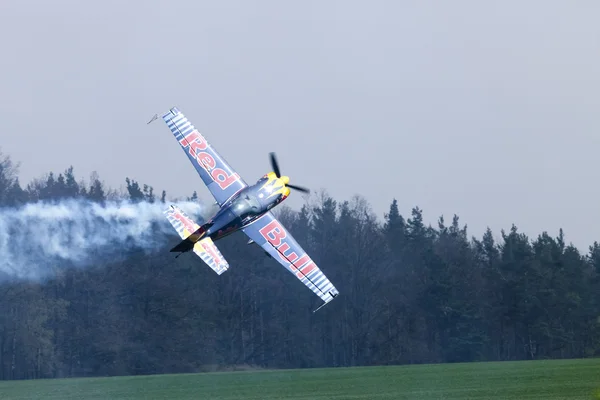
[{"x": 409, "y": 293}]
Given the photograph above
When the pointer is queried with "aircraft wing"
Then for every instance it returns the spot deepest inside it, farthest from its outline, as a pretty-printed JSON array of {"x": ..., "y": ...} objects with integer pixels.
[
  {"x": 268, "y": 233},
  {"x": 218, "y": 176}
]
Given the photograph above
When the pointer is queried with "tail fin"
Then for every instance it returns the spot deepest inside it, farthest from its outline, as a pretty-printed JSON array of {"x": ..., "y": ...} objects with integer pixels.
[{"x": 192, "y": 233}]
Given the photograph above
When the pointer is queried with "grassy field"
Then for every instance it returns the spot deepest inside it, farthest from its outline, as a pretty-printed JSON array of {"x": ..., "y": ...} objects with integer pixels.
[{"x": 563, "y": 379}]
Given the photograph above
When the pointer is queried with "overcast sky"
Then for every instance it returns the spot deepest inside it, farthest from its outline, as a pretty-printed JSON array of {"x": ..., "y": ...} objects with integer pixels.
[{"x": 487, "y": 109}]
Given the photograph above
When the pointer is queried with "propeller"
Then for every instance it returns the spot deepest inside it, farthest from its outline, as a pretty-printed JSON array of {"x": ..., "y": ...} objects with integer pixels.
[
  {"x": 275, "y": 166},
  {"x": 298, "y": 188}
]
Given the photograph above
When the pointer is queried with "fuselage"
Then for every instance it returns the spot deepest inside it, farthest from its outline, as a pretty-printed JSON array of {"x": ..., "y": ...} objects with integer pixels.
[{"x": 247, "y": 206}]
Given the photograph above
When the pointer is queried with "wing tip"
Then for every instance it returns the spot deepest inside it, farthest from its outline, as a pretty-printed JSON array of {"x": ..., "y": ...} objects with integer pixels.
[
  {"x": 333, "y": 293},
  {"x": 173, "y": 112}
]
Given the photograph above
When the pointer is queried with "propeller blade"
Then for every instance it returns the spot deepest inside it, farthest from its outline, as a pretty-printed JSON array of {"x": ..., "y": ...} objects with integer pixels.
[
  {"x": 299, "y": 188},
  {"x": 275, "y": 165}
]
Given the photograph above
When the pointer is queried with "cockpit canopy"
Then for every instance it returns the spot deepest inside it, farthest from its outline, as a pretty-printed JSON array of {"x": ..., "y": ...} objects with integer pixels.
[{"x": 246, "y": 206}]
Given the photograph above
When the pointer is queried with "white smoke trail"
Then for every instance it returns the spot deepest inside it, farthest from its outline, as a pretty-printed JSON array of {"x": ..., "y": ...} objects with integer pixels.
[{"x": 36, "y": 237}]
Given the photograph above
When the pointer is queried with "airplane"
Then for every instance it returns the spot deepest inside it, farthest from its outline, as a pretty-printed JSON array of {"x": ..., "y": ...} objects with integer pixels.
[{"x": 241, "y": 207}]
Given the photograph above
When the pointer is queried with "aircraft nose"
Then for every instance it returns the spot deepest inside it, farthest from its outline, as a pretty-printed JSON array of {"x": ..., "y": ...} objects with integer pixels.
[{"x": 285, "y": 179}]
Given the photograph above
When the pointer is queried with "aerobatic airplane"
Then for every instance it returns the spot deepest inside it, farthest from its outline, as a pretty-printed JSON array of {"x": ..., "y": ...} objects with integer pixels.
[{"x": 242, "y": 207}]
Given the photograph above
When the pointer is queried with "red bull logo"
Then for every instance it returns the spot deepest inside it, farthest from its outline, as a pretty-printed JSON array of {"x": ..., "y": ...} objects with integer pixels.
[
  {"x": 196, "y": 144},
  {"x": 275, "y": 234}
]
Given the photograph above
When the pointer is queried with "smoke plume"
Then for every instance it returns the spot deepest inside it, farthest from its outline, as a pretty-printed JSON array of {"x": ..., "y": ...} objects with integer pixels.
[{"x": 38, "y": 237}]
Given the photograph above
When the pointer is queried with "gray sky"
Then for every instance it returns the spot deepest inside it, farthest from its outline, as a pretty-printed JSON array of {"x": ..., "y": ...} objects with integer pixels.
[{"x": 484, "y": 109}]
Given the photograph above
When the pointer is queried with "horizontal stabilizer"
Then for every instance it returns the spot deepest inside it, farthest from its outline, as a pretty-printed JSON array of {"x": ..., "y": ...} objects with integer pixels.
[
  {"x": 192, "y": 233},
  {"x": 182, "y": 223},
  {"x": 210, "y": 254}
]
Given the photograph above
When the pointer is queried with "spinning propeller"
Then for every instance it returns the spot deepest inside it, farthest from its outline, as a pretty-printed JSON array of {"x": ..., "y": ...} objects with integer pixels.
[{"x": 285, "y": 179}]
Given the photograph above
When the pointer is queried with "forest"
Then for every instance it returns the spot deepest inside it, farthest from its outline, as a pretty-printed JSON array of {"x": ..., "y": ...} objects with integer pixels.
[{"x": 409, "y": 293}]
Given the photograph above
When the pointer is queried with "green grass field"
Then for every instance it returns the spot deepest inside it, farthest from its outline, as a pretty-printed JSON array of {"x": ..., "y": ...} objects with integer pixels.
[{"x": 562, "y": 379}]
